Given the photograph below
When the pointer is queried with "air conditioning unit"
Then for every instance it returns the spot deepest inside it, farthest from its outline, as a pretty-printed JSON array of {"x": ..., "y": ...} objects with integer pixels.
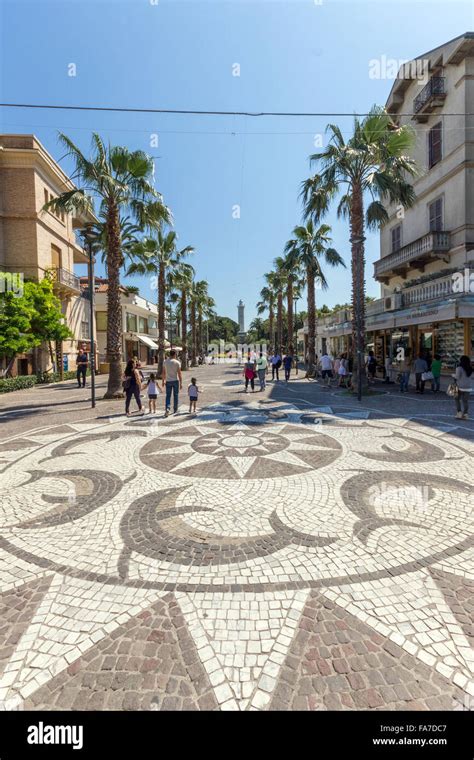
[{"x": 390, "y": 303}]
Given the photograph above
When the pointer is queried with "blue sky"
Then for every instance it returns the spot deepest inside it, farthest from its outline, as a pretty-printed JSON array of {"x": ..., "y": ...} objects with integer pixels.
[{"x": 294, "y": 55}]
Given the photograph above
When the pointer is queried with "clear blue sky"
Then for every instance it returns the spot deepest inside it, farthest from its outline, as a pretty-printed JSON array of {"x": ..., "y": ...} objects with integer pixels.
[{"x": 294, "y": 55}]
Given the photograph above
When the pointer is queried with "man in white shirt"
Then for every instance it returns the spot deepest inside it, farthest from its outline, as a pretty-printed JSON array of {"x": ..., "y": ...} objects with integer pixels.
[
  {"x": 326, "y": 366},
  {"x": 173, "y": 380}
]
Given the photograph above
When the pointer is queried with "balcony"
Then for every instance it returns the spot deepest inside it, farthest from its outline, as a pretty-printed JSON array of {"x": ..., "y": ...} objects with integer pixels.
[
  {"x": 431, "y": 97},
  {"x": 66, "y": 281},
  {"x": 415, "y": 255}
]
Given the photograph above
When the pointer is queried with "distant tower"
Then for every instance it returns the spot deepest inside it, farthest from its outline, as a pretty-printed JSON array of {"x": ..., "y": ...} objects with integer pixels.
[{"x": 241, "y": 318}]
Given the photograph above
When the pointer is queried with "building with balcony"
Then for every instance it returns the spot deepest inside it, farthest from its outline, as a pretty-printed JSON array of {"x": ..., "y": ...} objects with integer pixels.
[
  {"x": 427, "y": 251},
  {"x": 39, "y": 243}
]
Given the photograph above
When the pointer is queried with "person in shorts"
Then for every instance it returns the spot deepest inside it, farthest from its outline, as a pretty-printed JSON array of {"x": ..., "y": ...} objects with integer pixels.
[
  {"x": 193, "y": 393},
  {"x": 152, "y": 393},
  {"x": 326, "y": 367}
]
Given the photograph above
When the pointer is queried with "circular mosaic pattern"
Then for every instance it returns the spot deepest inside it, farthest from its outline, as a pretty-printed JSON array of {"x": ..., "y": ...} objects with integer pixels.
[
  {"x": 239, "y": 450},
  {"x": 218, "y": 500}
]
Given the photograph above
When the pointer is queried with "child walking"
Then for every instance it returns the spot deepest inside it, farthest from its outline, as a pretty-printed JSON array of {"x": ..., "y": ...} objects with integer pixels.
[
  {"x": 193, "y": 393},
  {"x": 152, "y": 391}
]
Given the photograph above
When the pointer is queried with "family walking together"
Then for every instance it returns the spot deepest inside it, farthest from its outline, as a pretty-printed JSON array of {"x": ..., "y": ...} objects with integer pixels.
[
  {"x": 171, "y": 383},
  {"x": 257, "y": 367}
]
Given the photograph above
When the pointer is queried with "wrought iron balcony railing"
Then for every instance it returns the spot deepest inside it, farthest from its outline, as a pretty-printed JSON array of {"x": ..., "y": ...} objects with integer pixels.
[
  {"x": 68, "y": 279},
  {"x": 433, "y": 89}
]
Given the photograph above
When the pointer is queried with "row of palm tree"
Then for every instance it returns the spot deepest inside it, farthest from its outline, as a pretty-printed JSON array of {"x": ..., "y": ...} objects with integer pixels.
[
  {"x": 133, "y": 225},
  {"x": 371, "y": 168}
]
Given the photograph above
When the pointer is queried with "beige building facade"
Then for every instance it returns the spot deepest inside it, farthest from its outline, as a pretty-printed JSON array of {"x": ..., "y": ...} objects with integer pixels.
[
  {"x": 40, "y": 243},
  {"x": 426, "y": 264}
]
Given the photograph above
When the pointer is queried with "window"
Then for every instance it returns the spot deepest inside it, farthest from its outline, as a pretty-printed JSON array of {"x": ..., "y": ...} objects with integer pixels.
[
  {"x": 152, "y": 324},
  {"x": 436, "y": 215},
  {"x": 143, "y": 325},
  {"x": 85, "y": 329},
  {"x": 396, "y": 235},
  {"x": 101, "y": 321},
  {"x": 131, "y": 322},
  {"x": 435, "y": 145}
]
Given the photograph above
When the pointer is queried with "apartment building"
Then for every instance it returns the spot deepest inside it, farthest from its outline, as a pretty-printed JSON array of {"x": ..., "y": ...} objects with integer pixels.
[
  {"x": 426, "y": 264},
  {"x": 36, "y": 242}
]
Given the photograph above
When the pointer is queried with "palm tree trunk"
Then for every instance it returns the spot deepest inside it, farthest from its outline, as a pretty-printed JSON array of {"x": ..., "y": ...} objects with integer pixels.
[
  {"x": 270, "y": 326},
  {"x": 358, "y": 287},
  {"x": 184, "y": 331},
  {"x": 193, "y": 332},
  {"x": 279, "y": 321},
  {"x": 289, "y": 297},
  {"x": 200, "y": 337},
  {"x": 311, "y": 319},
  {"x": 161, "y": 318},
  {"x": 114, "y": 307}
]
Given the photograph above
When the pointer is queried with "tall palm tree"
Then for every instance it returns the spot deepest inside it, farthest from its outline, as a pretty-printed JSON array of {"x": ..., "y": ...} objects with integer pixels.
[
  {"x": 277, "y": 281},
  {"x": 182, "y": 281},
  {"x": 158, "y": 256},
  {"x": 267, "y": 301},
  {"x": 312, "y": 245},
  {"x": 204, "y": 305},
  {"x": 373, "y": 163},
  {"x": 288, "y": 267},
  {"x": 121, "y": 180}
]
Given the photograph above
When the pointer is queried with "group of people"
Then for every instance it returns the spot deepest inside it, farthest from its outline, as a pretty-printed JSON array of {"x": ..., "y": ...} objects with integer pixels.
[
  {"x": 341, "y": 368},
  {"x": 171, "y": 383},
  {"x": 257, "y": 366}
]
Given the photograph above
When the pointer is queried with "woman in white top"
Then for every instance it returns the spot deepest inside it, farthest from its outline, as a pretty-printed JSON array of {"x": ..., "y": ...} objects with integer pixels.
[{"x": 464, "y": 378}]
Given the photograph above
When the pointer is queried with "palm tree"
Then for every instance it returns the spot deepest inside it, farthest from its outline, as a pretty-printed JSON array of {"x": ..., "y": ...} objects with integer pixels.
[
  {"x": 288, "y": 267},
  {"x": 158, "y": 256},
  {"x": 122, "y": 182},
  {"x": 312, "y": 245},
  {"x": 267, "y": 301},
  {"x": 182, "y": 281},
  {"x": 374, "y": 162},
  {"x": 204, "y": 305},
  {"x": 277, "y": 281}
]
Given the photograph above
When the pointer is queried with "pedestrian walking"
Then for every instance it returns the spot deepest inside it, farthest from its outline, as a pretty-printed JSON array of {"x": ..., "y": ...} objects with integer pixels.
[
  {"x": 342, "y": 371},
  {"x": 436, "y": 372},
  {"x": 464, "y": 381},
  {"x": 152, "y": 393},
  {"x": 262, "y": 365},
  {"x": 420, "y": 366},
  {"x": 132, "y": 385},
  {"x": 287, "y": 365},
  {"x": 326, "y": 365},
  {"x": 193, "y": 394},
  {"x": 172, "y": 380},
  {"x": 405, "y": 371},
  {"x": 249, "y": 374},
  {"x": 371, "y": 367},
  {"x": 82, "y": 362},
  {"x": 276, "y": 364}
]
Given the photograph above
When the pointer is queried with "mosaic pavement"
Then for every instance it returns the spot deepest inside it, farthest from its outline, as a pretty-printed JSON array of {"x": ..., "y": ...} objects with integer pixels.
[{"x": 253, "y": 556}]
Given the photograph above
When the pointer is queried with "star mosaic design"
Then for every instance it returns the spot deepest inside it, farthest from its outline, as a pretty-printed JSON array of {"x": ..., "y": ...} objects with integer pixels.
[{"x": 238, "y": 523}]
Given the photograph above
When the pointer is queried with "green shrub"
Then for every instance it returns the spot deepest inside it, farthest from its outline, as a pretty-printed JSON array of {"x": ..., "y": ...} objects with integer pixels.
[{"x": 8, "y": 384}]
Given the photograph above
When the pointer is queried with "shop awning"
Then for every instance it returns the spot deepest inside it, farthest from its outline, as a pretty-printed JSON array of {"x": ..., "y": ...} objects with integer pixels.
[
  {"x": 147, "y": 341},
  {"x": 380, "y": 322},
  {"x": 439, "y": 312}
]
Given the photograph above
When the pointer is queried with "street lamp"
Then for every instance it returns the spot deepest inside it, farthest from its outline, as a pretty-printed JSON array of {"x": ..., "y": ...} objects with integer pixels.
[{"x": 88, "y": 237}]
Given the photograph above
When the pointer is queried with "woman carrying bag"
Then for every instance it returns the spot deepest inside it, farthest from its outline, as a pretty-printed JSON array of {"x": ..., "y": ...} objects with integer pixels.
[{"x": 462, "y": 387}]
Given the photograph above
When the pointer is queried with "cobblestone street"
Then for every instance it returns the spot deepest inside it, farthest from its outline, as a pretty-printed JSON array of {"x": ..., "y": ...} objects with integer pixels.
[{"x": 284, "y": 550}]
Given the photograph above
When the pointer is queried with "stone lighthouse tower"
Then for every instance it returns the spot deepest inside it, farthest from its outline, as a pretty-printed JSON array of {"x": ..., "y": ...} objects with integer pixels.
[{"x": 241, "y": 320}]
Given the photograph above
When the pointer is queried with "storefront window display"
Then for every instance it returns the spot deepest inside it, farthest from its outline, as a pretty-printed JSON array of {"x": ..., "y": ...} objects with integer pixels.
[{"x": 450, "y": 342}]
